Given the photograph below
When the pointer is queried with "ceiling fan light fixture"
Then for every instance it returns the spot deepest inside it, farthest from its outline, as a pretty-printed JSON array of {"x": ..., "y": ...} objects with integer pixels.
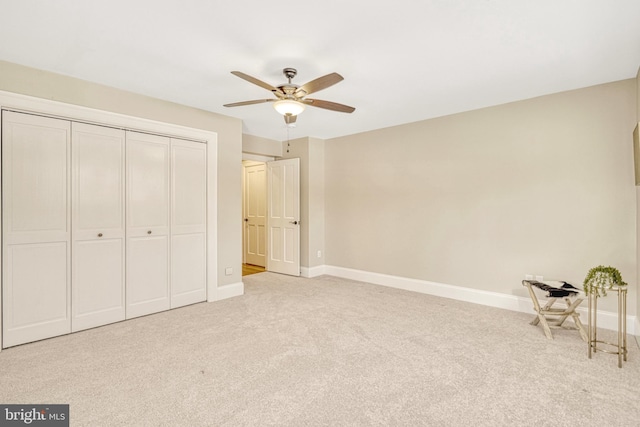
[{"x": 288, "y": 106}]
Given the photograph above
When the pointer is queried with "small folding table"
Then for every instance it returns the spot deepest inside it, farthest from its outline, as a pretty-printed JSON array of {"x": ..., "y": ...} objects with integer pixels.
[{"x": 550, "y": 317}]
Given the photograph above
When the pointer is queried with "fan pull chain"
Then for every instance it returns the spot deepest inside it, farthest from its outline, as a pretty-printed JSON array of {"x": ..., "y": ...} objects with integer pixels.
[{"x": 288, "y": 143}]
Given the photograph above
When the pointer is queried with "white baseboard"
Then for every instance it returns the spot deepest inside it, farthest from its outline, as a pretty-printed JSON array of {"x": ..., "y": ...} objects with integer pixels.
[
  {"x": 228, "y": 291},
  {"x": 606, "y": 319},
  {"x": 312, "y": 272}
]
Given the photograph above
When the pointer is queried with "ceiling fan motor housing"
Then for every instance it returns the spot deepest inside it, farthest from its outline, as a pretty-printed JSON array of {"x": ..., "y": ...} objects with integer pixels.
[{"x": 290, "y": 73}]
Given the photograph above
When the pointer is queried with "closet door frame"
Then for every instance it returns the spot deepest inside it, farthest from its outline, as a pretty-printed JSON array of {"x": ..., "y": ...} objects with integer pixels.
[{"x": 28, "y": 104}]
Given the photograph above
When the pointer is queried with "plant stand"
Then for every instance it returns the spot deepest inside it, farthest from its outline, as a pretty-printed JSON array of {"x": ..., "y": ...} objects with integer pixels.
[{"x": 621, "y": 345}]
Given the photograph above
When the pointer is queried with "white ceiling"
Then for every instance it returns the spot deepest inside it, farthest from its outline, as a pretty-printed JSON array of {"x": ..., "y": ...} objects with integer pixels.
[{"x": 403, "y": 61}]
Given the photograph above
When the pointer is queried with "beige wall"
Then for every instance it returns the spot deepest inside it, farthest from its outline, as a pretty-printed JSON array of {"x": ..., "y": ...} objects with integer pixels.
[
  {"x": 300, "y": 148},
  {"x": 479, "y": 199},
  {"x": 42, "y": 84},
  {"x": 316, "y": 202},
  {"x": 310, "y": 151},
  {"x": 261, "y": 146}
]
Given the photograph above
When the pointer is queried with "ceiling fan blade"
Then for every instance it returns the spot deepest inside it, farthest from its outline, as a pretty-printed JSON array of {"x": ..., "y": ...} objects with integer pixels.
[
  {"x": 318, "y": 84},
  {"x": 289, "y": 119},
  {"x": 328, "y": 105},
  {"x": 255, "y": 81},
  {"x": 255, "y": 101}
]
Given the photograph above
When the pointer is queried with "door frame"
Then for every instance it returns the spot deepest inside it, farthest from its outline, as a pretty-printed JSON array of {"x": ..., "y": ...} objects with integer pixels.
[{"x": 39, "y": 106}]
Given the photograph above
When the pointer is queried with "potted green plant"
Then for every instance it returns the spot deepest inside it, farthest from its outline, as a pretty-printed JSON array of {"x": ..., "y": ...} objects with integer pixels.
[{"x": 600, "y": 279}]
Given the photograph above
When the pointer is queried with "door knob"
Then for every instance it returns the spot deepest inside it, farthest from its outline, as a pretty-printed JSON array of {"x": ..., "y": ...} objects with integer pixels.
[
  {"x": 246, "y": 219},
  {"x": 293, "y": 222},
  {"x": 149, "y": 232},
  {"x": 99, "y": 234}
]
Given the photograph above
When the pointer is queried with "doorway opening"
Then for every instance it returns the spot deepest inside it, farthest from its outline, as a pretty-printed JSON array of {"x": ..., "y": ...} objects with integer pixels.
[
  {"x": 271, "y": 215},
  {"x": 254, "y": 213}
]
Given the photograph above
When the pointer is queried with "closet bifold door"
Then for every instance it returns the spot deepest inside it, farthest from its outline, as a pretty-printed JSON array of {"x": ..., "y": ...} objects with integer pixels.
[
  {"x": 188, "y": 222},
  {"x": 147, "y": 224},
  {"x": 98, "y": 226},
  {"x": 36, "y": 227}
]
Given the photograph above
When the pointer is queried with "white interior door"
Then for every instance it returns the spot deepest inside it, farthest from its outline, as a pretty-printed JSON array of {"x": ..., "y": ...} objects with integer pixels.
[
  {"x": 36, "y": 227},
  {"x": 98, "y": 233},
  {"x": 255, "y": 214},
  {"x": 188, "y": 222},
  {"x": 283, "y": 216},
  {"x": 147, "y": 223}
]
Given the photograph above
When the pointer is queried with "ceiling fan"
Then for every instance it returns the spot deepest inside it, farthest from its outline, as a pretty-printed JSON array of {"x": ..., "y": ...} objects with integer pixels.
[{"x": 291, "y": 99}]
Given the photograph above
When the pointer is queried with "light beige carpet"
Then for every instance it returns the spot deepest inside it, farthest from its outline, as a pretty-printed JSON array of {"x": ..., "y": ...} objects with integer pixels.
[{"x": 325, "y": 352}]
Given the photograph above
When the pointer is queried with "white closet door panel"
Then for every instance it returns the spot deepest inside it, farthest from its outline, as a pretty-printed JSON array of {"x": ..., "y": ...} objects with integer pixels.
[
  {"x": 98, "y": 226},
  {"x": 188, "y": 269},
  {"x": 35, "y": 302},
  {"x": 98, "y": 181},
  {"x": 147, "y": 183},
  {"x": 188, "y": 187},
  {"x": 36, "y": 227},
  {"x": 98, "y": 285},
  {"x": 147, "y": 275},
  {"x": 35, "y": 175},
  {"x": 147, "y": 284},
  {"x": 188, "y": 222}
]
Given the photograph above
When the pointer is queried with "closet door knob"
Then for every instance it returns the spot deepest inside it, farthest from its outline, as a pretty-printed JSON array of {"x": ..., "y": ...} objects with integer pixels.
[
  {"x": 149, "y": 232},
  {"x": 99, "y": 234}
]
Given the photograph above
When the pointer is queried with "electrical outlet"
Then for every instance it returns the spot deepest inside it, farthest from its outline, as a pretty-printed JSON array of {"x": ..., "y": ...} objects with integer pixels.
[
  {"x": 539, "y": 278},
  {"x": 319, "y": 254},
  {"x": 228, "y": 271},
  {"x": 528, "y": 277}
]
